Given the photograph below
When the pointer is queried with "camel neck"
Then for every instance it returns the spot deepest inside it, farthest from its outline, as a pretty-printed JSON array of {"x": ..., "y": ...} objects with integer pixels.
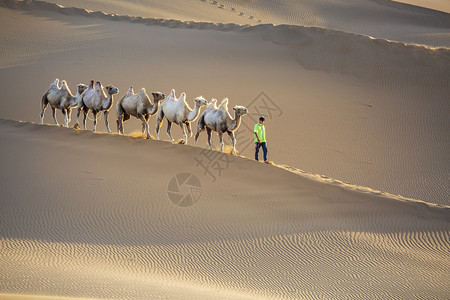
[
  {"x": 193, "y": 114},
  {"x": 108, "y": 102},
  {"x": 155, "y": 107},
  {"x": 236, "y": 122}
]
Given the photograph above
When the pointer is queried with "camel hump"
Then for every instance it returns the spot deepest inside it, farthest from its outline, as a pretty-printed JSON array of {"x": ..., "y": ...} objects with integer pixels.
[
  {"x": 98, "y": 85},
  {"x": 55, "y": 84},
  {"x": 143, "y": 93},
  {"x": 91, "y": 84},
  {"x": 172, "y": 94},
  {"x": 224, "y": 104},
  {"x": 182, "y": 96},
  {"x": 65, "y": 87}
]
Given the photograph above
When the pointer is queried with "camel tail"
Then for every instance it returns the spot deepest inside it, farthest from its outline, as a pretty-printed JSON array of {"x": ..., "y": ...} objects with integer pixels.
[{"x": 44, "y": 102}]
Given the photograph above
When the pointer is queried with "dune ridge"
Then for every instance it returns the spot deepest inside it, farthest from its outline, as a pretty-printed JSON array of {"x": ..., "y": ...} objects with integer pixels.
[
  {"x": 342, "y": 52},
  {"x": 301, "y": 239},
  {"x": 411, "y": 7},
  {"x": 38, "y": 4},
  {"x": 132, "y": 137}
]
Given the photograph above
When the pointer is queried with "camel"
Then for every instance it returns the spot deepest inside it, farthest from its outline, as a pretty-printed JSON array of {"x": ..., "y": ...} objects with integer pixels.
[
  {"x": 219, "y": 120},
  {"x": 61, "y": 98},
  {"x": 96, "y": 100},
  {"x": 139, "y": 106},
  {"x": 179, "y": 112}
]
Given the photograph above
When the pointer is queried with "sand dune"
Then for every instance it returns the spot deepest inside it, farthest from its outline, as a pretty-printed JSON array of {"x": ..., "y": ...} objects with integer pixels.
[
  {"x": 381, "y": 121},
  {"x": 381, "y": 18},
  {"x": 355, "y": 206},
  {"x": 111, "y": 222}
]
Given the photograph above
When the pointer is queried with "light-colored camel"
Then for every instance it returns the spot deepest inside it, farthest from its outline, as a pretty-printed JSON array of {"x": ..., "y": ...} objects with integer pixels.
[
  {"x": 179, "y": 112},
  {"x": 139, "y": 106},
  {"x": 95, "y": 99},
  {"x": 61, "y": 98},
  {"x": 220, "y": 121}
]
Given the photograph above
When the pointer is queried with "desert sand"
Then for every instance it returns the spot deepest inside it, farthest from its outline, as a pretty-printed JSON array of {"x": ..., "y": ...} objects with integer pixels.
[{"x": 356, "y": 204}]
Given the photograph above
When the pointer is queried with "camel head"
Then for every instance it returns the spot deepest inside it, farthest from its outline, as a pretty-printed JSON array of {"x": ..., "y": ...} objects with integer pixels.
[
  {"x": 157, "y": 96},
  {"x": 240, "y": 110},
  {"x": 81, "y": 88},
  {"x": 111, "y": 90},
  {"x": 200, "y": 101}
]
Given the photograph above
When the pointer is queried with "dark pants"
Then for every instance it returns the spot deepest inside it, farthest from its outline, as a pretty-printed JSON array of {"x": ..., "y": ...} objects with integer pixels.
[{"x": 264, "y": 146}]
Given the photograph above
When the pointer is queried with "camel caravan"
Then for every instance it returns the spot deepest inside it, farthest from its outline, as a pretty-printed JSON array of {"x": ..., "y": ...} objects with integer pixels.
[{"x": 97, "y": 98}]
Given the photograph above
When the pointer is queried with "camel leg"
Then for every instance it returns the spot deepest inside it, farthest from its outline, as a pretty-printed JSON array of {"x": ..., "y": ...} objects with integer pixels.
[
  {"x": 85, "y": 112},
  {"x": 159, "y": 122},
  {"x": 69, "y": 115},
  {"x": 54, "y": 116},
  {"x": 221, "y": 140},
  {"x": 158, "y": 125},
  {"x": 78, "y": 117},
  {"x": 233, "y": 139},
  {"x": 144, "y": 124},
  {"x": 105, "y": 114},
  {"x": 95, "y": 119},
  {"x": 189, "y": 129},
  {"x": 66, "y": 122},
  {"x": 169, "y": 125},
  {"x": 199, "y": 130},
  {"x": 146, "y": 117},
  {"x": 44, "y": 104},
  {"x": 208, "y": 131},
  {"x": 119, "y": 122},
  {"x": 184, "y": 133}
]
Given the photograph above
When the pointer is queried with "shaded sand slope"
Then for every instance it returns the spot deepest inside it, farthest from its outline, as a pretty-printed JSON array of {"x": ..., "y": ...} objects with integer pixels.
[
  {"x": 365, "y": 111},
  {"x": 378, "y": 18},
  {"x": 85, "y": 215}
]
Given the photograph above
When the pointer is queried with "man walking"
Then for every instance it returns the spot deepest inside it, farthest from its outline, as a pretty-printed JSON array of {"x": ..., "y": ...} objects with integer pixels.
[{"x": 260, "y": 138}]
